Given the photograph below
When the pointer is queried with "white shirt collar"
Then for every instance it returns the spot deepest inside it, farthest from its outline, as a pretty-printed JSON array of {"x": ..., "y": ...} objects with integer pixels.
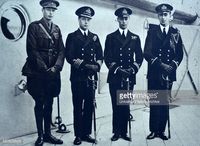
[
  {"x": 82, "y": 31},
  {"x": 125, "y": 31},
  {"x": 166, "y": 28}
]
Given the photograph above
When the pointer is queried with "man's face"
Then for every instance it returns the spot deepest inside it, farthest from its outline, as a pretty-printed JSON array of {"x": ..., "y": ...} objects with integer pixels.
[
  {"x": 123, "y": 22},
  {"x": 48, "y": 13},
  {"x": 165, "y": 18},
  {"x": 84, "y": 22}
]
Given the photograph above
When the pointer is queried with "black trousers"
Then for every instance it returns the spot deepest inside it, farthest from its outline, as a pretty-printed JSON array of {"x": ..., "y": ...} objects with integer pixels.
[
  {"x": 43, "y": 111},
  {"x": 82, "y": 96},
  {"x": 159, "y": 106},
  {"x": 121, "y": 113},
  {"x": 39, "y": 88}
]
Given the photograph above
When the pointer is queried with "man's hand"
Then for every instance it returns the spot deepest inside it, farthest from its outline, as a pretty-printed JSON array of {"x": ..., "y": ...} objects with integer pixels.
[
  {"x": 124, "y": 73},
  {"x": 52, "y": 71},
  {"x": 77, "y": 62},
  {"x": 130, "y": 71},
  {"x": 167, "y": 68},
  {"x": 92, "y": 67}
]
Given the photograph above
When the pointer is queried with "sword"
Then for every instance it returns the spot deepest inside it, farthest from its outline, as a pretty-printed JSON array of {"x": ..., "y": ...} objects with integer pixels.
[
  {"x": 92, "y": 79},
  {"x": 129, "y": 119},
  {"x": 168, "y": 117}
]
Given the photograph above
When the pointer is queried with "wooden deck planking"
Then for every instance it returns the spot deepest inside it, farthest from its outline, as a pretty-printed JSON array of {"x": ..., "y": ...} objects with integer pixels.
[
  {"x": 180, "y": 121},
  {"x": 175, "y": 139},
  {"x": 185, "y": 131},
  {"x": 138, "y": 130},
  {"x": 104, "y": 131}
]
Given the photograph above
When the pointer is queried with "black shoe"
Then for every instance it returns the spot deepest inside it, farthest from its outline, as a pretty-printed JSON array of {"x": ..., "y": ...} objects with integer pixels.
[
  {"x": 89, "y": 139},
  {"x": 125, "y": 137},
  {"x": 77, "y": 141},
  {"x": 162, "y": 136},
  {"x": 51, "y": 139},
  {"x": 39, "y": 141},
  {"x": 152, "y": 135},
  {"x": 115, "y": 137}
]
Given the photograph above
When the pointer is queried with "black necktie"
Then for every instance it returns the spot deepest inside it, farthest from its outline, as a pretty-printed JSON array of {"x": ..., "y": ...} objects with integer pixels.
[
  {"x": 164, "y": 32},
  {"x": 85, "y": 36},
  {"x": 49, "y": 26},
  {"x": 123, "y": 35}
]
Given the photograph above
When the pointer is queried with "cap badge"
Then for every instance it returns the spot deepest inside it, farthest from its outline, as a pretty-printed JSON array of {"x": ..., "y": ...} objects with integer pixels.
[
  {"x": 88, "y": 11},
  {"x": 163, "y": 7},
  {"x": 124, "y": 11}
]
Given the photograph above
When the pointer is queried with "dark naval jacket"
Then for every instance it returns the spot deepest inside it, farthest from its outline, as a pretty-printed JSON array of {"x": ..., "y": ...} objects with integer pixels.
[
  {"x": 87, "y": 49},
  {"x": 157, "y": 50},
  {"x": 42, "y": 52},
  {"x": 123, "y": 53}
]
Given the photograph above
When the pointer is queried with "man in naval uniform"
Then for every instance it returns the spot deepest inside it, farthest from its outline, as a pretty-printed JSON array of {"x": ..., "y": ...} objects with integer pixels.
[
  {"x": 84, "y": 53},
  {"x": 123, "y": 57},
  {"x": 164, "y": 52},
  {"x": 45, "y": 60}
]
